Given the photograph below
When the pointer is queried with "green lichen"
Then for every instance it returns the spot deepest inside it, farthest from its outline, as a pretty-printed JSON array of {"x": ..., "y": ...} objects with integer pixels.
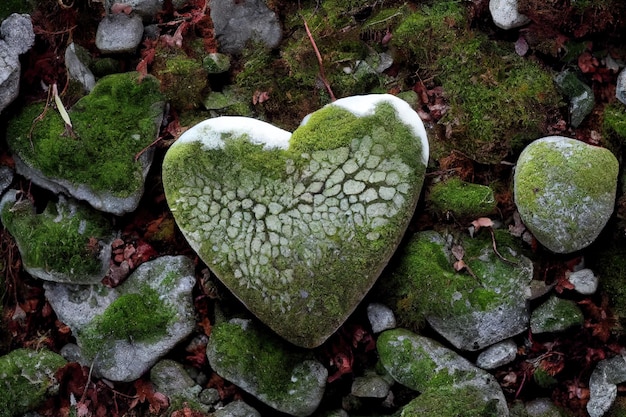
[
  {"x": 136, "y": 317},
  {"x": 449, "y": 401},
  {"x": 461, "y": 199},
  {"x": 101, "y": 151},
  {"x": 498, "y": 100},
  {"x": 424, "y": 282},
  {"x": 59, "y": 246},
  {"x": 265, "y": 360},
  {"x": 26, "y": 376}
]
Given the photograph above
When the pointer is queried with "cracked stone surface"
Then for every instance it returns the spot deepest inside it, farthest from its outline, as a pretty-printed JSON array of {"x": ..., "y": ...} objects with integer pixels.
[{"x": 300, "y": 226}]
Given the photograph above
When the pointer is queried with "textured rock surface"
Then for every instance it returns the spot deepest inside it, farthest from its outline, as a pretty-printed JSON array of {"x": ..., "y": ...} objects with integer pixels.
[
  {"x": 555, "y": 315},
  {"x": 16, "y": 37},
  {"x": 76, "y": 61},
  {"x": 66, "y": 243},
  {"x": 564, "y": 190},
  {"x": 423, "y": 365},
  {"x": 291, "y": 381},
  {"x": 26, "y": 376},
  {"x": 497, "y": 355},
  {"x": 582, "y": 99},
  {"x": 125, "y": 330},
  {"x": 95, "y": 161},
  {"x": 603, "y": 385},
  {"x": 119, "y": 33},
  {"x": 237, "y": 22},
  {"x": 300, "y": 226}
]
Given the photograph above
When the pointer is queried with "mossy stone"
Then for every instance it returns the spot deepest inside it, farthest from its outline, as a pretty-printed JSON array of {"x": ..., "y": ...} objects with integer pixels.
[
  {"x": 471, "y": 311},
  {"x": 67, "y": 242},
  {"x": 451, "y": 401},
  {"x": 462, "y": 200},
  {"x": 555, "y": 315},
  {"x": 299, "y": 226},
  {"x": 287, "y": 379},
  {"x": 95, "y": 160},
  {"x": 26, "y": 377},
  {"x": 565, "y": 190}
]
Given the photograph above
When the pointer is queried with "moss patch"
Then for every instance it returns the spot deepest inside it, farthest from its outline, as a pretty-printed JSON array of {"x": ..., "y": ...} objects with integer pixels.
[
  {"x": 449, "y": 401},
  {"x": 117, "y": 120},
  {"x": 25, "y": 378},
  {"x": 494, "y": 110},
  {"x": 461, "y": 199},
  {"x": 134, "y": 317},
  {"x": 61, "y": 239}
]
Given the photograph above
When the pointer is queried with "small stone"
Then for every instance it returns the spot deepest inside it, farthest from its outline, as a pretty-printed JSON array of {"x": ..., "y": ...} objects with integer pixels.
[
  {"x": 209, "y": 396},
  {"x": 236, "y": 409},
  {"x": 77, "y": 61},
  {"x": 603, "y": 385},
  {"x": 505, "y": 14},
  {"x": 6, "y": 178},
  {"x": 381, "y": 317},
  {"x": 16, "y": 37},
  {"x": 370, "y": 386},
  {"x": 119, "y": 33},
  {"x": 620, "y": 88},
  {"x": 555, "y": 315},
  {"x": 584, "y": 281},
  {"x": 543, "y": 407},
  {"x": 170, "y": 377},
  {"x": 497, "y": 355},
  {"x": 582, "y": 100}
]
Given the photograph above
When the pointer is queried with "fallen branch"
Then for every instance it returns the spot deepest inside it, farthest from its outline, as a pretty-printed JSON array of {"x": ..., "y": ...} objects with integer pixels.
[{"x": 319, "y": 61}]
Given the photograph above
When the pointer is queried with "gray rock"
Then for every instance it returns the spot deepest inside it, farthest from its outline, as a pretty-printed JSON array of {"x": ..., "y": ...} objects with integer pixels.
[
  {"x": 170, "y": 377},
  {"x": 287, "y": 379},
  {"x": 381, "y": 317},
  {"x": 77, "y": 61},
  {"x": 236, "y": 409},
  {"x": 6, "y": 178},
  {"x": 603, "y": 385},
  {"x": 16, "y": 37},
  {"x": 125, "y": 330},
  {"x": 119, "y": 33},
  {"x": 370, "y": 385},
  {"x": 237, "y": 22},
  {"x": 620, "y": 87},
  {"x": 543, "y": 407},
  {"x": 497, "y": 355},
  {"x": 555, "y": 315},
  {"x": 209, "y": 396},
  {"x": 584, "y": 281},
  {"x": 424, "y": 365},
  {"x": 564, "y": 190},
  {"x": 505, "y": 14},
  {"x": 582, "y": 99},
  {"x": 67, "y": 242}
]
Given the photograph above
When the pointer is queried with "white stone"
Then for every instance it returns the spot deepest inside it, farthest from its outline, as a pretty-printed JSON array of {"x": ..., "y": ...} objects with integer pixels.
[
  {"x": 380, "y": 317},
  {"x": 505, "y": 15},
  {"x": 497, "y": 355},
  {"x": 584, "y": 281},
  {"x": 352, "y": 187}
]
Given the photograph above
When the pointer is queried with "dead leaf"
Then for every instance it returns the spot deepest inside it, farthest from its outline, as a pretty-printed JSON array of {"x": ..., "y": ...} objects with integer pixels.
[{"x": 458, "y": 252}]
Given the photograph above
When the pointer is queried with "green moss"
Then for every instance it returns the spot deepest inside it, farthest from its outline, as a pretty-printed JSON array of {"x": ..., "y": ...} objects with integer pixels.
[
  {"x": 609, "y": 263},
  {"x": 102, "y": 154},
  {"x": 8, "y": 7},
  {"x": 498, "y": 100},
  {"x": 136, "y": 317},
  {"x": 449, "y": 401},
  {"x": 461, "y": 199},
  {"x": 543, "y": 378},
  {"x": 264, "y": 359},
  {"x": 183, "y": 79},
  {"x": 25, "y": 378},
  {"x": 53, "y": 245},
  {"x": 424, "y": 282},
  {"x": 614, "y": 126}
]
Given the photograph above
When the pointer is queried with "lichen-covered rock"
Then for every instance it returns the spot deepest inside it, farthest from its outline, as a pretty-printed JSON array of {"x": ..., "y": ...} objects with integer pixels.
[
  {"x": 124, "y": 330},
  {"x": 451, "y": 401},
  {"x": 67, "y": 242},
  {"x": 94, "y": 160},
  {"x": 565, "y": 190},
  {"x": 424, "y": 365},
  {"x": 472, "y": 308},
  {"x": 300, "y": 226},
  {"x": 26, "y": 377},
  {"x": 603, "y": 384},
  {"x": 287, "y": 379},
  {"x": 555, "y": 315}
]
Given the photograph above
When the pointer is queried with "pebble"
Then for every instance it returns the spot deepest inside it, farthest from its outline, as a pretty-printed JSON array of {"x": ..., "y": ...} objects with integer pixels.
[
  {"x": 497, "y": 355},
  {"x": 582, "y": 99},
  {"x": 119, "y": 33},
  {"x": 505, "y": 15},
  {"x": 381, "y": 317},
  {"x": 370, "y": 386},
  {"x": 584, "y": 281},
  {"x": 620, "y": 87},
  {"x": 76, "y": 61},
  {"x": 236, "y": 409},
  {"x": 555, "y": 315}
]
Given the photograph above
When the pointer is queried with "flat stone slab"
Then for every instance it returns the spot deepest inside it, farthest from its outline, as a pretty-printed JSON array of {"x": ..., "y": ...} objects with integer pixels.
[
  {"x": 564, "y": 190},
  {"x": 300, "y": 226}
]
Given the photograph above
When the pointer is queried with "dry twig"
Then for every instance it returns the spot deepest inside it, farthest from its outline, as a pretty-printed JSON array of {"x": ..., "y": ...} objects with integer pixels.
[{"x": 319, "y": 61}]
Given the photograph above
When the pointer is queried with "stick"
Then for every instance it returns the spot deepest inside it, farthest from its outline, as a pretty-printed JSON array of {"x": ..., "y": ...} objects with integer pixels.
[{"x": 319, "y": 61}]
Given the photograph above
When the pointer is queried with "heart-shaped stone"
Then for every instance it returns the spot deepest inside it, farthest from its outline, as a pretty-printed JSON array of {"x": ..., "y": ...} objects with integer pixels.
[{"x": 299, "y": 226}]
